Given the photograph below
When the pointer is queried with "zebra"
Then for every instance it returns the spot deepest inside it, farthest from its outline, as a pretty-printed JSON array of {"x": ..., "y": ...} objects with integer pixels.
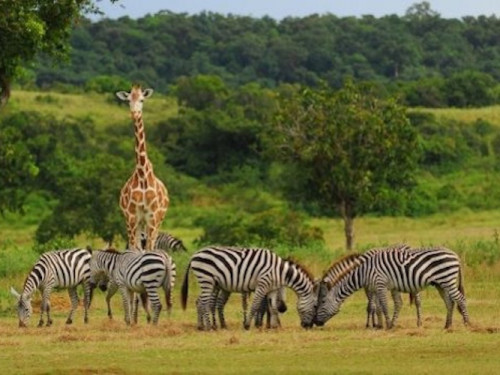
[
  {"x": 164, "y": 241},
  {"x": 245, "y": 270},
  {"x": 372, "y": 309},
  {"x": 133, "y": 271},
  {"x": 272, "y": 321},
  {"x": 105, "y": 284},
  {"x": 402, "y": 270},
  {"x": 66, "y": 268}
]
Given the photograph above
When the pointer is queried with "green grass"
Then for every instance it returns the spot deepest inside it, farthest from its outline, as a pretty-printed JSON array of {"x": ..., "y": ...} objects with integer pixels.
[
  {"x": 342, "y": 346},
  {"x": 104, "y": 110},
  {"x": 468, "y": 115}
]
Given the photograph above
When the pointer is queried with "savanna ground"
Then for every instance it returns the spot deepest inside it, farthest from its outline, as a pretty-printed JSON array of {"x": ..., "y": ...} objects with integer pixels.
[{"x": 342, "y": 346}]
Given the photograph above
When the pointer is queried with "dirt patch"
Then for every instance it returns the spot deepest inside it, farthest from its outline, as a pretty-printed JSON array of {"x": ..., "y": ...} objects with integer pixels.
[{"x": 485, "y": 329}]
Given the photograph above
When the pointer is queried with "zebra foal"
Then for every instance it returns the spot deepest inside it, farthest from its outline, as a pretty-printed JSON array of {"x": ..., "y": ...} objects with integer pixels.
[
  {"x": 402, "y": 270},
  {"x": 245, "y": 270},
  {"x": 56, "y": 269},
  {"x": 134, "y": 272}
]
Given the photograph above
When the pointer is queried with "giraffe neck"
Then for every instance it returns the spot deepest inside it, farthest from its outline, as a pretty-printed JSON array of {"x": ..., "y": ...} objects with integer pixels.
[{"x": 141, "y": 155}]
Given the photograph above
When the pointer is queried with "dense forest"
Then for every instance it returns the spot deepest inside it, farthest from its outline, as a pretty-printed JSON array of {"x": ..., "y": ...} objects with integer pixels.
[
  {"x": 431, "y": 61},
  {"x": 236, "y": 81}
]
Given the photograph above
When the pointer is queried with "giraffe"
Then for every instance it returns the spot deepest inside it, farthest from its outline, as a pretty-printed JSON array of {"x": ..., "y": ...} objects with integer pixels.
[{"x": 143, "y": 199}]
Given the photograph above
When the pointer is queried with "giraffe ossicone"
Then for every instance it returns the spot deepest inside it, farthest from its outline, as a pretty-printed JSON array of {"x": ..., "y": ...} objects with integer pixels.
[{"x": 144, "y": 198}]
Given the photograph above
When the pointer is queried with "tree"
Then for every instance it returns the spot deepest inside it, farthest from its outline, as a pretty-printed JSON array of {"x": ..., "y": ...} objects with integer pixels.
[
  {"x": 31, "y": 27},
  {"x": 352, "y": 147}
]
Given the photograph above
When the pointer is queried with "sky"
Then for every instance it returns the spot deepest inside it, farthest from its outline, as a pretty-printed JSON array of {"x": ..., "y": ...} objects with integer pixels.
[{"x": 279, "y": 9}]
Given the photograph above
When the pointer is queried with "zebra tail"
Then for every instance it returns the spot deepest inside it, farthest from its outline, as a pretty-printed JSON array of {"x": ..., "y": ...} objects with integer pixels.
[
  {"x": 412, "y": 299},
  {"x": 461, "y": 281},
  {"x": 185, "y": 288},
  {"x": 167, "y": 287}
]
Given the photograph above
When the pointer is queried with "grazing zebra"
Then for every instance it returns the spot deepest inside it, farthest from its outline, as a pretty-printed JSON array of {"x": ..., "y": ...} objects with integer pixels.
[
  {"x": 105, "y": 284},
  {"x": 164, "y": 241},
  {"x": 56, "y": 269},
  {"x": 372, "y": 309},
  {"x": 134, "y": 272},
  {"x": 278, "y": 299},
  {"x": 245, "y": 270},
  {"x": 402, "y": 270}
]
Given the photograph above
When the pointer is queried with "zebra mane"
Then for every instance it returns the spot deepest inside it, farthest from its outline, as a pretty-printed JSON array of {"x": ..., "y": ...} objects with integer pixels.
[
  {"x": 112, "y": 250},
  {"x": 295, "y": 263},
  {"x": 356, "y": 262},
  {"x": 348, "y": 257}
]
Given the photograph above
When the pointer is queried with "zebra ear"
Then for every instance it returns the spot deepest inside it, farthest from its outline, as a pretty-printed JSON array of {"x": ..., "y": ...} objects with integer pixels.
[{"x": 14, "y": 292}]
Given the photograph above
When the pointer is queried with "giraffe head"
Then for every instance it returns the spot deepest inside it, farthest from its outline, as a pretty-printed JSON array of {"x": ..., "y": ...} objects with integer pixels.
[{"x": 135, "y": 97}]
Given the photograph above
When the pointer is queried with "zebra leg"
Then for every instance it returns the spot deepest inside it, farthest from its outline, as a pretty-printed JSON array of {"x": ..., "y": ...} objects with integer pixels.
[
  {"x": 259, "y": 317},
  {"x": 271, "y": 309},
  {"x": 145, "y": 306},
  {"x": 73, "y": 295},
  {"x": 398, "y": 303},
  {"x": 154, "y": 299},
  {"x": 135, "y": 308},
  {"x": 382, "y": 300},
  {"x": 199, "y": 311},
  {"x": 87, "y": 299},
  {"x": 221, "y": 301},
  {"x": 127, "y": 296},
  {"x": 260, "y": 294},
  {"x": 418, "y": 303},
  {"x": 46, "y": 307},
  {"x": 457, "y": 296},
  {"x": 112, "y": 289},
  {"x": 449, "y": 306},
  {"x": 205, "y": 302},
  {"x": 371, "y": 308}
]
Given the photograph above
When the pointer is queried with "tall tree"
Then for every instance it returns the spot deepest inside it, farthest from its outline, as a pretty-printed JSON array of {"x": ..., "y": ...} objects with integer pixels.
[
  {"x": 32, "y": 27},
  {"x": 354, "y": 149}
]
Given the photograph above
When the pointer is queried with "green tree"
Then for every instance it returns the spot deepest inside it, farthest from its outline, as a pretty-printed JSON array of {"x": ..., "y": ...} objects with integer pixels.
[
  {"x": 31, "y": 27},
  {"x": 351, "y": 147}
]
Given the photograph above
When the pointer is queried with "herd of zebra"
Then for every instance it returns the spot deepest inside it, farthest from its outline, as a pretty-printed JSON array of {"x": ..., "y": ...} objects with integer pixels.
[{"x": 221, "y": 270}]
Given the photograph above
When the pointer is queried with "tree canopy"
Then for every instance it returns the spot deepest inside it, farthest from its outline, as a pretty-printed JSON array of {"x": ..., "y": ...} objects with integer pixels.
[{"x": 354, "y": 149}]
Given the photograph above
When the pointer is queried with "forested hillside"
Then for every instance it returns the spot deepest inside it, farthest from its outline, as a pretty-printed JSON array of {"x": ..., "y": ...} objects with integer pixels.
[
  {"x": 343, "y": 92},
  {"x": 432, "y": 61}
]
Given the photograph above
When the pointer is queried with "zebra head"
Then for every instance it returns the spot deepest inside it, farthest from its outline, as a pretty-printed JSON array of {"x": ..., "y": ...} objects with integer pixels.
[
  {"x": 306, "y": 307},
  {"x": 329, "y": 304},
  {"x": 24, "y": 308}
]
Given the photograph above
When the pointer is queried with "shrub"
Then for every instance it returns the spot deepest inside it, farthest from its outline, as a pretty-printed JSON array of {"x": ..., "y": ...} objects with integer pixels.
[{"x": 267, "y": 228}]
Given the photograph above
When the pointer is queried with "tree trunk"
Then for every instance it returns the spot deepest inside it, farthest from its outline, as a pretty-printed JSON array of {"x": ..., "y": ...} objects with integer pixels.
[
  {"x": 4, "y": 88},
  {"x": 347, "y": 214}
]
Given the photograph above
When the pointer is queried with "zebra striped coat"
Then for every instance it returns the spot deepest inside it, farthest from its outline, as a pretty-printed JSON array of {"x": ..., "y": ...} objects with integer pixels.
[
  {"x": 373, "y": 309},
  {"x": 402, "y": 270},
  {"x": 56, "y": 269},
  {"x": 135, "y": 272},
  {"x": 278, "y": 299},
  {"x": 106, "y": 284},
  {"x": 164, "y": 241},
  {"x": 245, "y": 270}
]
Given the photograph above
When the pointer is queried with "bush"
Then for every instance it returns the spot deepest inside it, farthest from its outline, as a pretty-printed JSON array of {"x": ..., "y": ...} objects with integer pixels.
[{"x": 267, "y": 228}]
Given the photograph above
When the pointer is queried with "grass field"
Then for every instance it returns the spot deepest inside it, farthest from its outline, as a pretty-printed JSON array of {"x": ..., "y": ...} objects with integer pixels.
[
  {"x": 104, "y": 108},
  {"x": 342, "y": 346}
]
